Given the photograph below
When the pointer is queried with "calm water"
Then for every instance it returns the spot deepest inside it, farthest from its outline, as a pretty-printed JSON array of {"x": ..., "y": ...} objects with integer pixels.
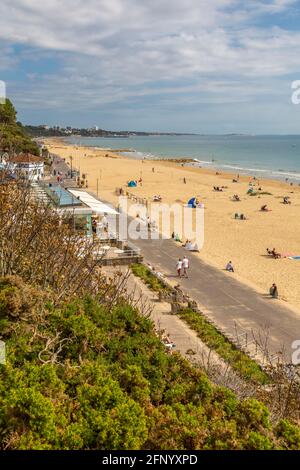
[{"x": 269, "y": 156}]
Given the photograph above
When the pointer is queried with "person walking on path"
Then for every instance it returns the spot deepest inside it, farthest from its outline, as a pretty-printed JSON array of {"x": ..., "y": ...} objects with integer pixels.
[
  {"x": 179, "y": 267},
  {"x": 185, "y": 265}
]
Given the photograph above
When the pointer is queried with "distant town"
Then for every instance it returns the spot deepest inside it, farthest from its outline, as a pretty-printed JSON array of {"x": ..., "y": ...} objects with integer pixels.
[{"x": 57, "y": 131}]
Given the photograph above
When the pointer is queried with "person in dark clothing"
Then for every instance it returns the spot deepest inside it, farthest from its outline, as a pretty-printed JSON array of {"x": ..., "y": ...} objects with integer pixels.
[{"x": 273, "y": 291}]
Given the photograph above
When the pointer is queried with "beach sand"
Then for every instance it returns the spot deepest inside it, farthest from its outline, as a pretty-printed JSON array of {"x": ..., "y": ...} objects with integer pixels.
[{"x": 242, "y": 242}]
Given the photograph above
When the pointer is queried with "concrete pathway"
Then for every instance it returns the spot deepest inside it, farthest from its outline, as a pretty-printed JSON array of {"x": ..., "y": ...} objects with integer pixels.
[{"x": 239, "y": 310}]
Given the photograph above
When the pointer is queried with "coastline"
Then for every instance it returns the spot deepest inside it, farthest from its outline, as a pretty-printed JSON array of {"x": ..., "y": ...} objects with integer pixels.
[
  {"x": 276, "y": 172},
  {"x": 243, "y": 242}
]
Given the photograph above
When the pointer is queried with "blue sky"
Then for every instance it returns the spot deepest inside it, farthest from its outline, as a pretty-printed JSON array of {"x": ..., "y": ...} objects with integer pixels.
[{"x": 207, "y": 66}]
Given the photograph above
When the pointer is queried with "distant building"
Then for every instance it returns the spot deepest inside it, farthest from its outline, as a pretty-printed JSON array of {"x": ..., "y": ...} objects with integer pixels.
[{"x": 27, "y": 165}]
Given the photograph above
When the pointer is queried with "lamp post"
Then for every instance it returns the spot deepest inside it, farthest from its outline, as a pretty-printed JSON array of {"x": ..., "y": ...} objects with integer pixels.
[{"x": 71, "y": 160}]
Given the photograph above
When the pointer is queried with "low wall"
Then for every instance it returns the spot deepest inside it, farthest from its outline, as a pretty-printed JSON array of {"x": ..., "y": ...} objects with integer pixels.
[{"x": 121, "y": 261}]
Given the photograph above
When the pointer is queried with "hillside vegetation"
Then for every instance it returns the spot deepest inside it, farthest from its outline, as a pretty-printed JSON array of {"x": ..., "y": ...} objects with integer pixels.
[
  {"x": 83, "y": 375},
  {"x": 13, "y": 137}
]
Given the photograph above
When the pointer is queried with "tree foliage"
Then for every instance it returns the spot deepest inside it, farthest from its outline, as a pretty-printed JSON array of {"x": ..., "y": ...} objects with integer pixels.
[
  {"x": 84, "y": 375},
  {"x": 13, "y": 137}
]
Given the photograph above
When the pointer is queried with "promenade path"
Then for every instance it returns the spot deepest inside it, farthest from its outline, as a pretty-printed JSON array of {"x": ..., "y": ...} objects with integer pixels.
[
  {"x": 236, "y": 308},
  {"x": 184, "y": 339}
]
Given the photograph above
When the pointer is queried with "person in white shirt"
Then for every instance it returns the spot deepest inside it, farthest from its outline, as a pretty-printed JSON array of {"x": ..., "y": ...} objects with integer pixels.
[
  {"x": 179, "y": 267},
  {"x": 185, "y": 265}
]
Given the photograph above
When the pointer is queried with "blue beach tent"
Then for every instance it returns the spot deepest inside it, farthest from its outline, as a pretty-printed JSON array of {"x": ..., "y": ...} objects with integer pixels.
[
  {"x": 132, "y": 184},
  {"x": 192, "y": 203}
]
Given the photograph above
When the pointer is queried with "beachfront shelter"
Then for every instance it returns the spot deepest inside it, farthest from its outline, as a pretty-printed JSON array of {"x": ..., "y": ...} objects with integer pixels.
[
  {"x": 192, "y": 203},
  {"x": 132, "y": 184},
  {"x": 73, "y": 211},
  {"x": 94, "y": 204},
  {"x": 107, "y": 215}
]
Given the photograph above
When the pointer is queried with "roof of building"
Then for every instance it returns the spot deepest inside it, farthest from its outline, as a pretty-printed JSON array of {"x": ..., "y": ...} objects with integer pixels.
[
  {"x": 26, "y": 158},
  {"x": 95, "y": 204}
]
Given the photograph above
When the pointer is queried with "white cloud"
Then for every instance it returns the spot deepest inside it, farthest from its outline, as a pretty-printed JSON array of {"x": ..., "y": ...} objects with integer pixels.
[{"x": 121, "y": 50}]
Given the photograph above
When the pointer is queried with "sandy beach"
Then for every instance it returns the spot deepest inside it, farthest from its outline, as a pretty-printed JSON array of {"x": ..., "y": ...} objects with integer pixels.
[{"x": 244, "y": 242}]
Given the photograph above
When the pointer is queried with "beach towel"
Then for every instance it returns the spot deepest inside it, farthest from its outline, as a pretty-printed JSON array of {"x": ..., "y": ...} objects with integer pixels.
[
  {"x": 192, "y": 247},
  {"x": 294, "y": 257}
]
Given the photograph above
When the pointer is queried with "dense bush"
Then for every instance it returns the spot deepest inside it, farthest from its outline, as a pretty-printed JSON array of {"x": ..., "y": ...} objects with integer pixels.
[{"x": 85, "y": 376}]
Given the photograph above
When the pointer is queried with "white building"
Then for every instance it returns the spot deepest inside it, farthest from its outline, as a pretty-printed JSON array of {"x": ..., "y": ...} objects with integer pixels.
[{"x": 27, "y": 165}]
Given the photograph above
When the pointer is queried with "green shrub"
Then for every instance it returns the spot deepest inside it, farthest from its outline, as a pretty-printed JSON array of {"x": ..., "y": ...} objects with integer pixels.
[
  {"x": 238, "y": 360},
  {"x": 86, "y": 376},
  {"x": 290, "y": 433},
  {"x": 148, "y": 277}
]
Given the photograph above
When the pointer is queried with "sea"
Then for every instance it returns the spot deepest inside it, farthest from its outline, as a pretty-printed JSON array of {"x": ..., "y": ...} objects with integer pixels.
[{"x": 268, "y": 156}]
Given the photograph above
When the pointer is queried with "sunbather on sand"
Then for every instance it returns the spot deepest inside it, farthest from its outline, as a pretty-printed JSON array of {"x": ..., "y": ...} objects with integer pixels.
[
  {"x": 273, "y": 253},
  {"x": 286, "y": 200}
]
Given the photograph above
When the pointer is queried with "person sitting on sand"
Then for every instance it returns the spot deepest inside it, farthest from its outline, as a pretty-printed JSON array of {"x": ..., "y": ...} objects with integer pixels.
[
  {"x": 264, "y": 208},
  {"x": 240, "y": 216},
  {"x": 273, "y": 291},
  {"x": 236, "y": 197},
  {"x": 273, "y": 253},
  {"x": 177, "y": 238},
  {"x": 286, "y": 200},
  {"x": 229, "y": 267}
]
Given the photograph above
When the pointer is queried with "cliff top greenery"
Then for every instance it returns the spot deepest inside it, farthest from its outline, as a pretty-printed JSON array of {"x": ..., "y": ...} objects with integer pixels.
[
  {"x": 86, "y": 375},
  {"x": 13, "y": 137}
]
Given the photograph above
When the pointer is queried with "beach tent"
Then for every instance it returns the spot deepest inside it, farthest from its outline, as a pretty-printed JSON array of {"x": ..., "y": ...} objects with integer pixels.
[
  {"x": 132, "y": 184},
  {"x": 192, "y": 203}
]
